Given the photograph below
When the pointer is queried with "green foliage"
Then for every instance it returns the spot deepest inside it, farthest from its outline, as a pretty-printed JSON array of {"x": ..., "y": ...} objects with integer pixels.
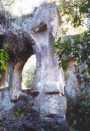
[
  {"x": 19, "y": 113},
  {"x": 4, "y": 58},
  {"x": 75, "y": 9},
  {"x": 65, "y": 64},
  {"x": 77, "y": 46}
]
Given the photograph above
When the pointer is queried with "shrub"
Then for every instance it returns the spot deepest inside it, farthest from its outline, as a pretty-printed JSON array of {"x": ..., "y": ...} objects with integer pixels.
[{"x": 4, "y": 58}]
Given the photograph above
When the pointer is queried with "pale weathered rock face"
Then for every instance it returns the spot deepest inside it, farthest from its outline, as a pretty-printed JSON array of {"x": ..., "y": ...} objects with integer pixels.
[
  {"x": 49, "y": 80},
  {"x": 16, "y": 86},
  {"x": 47, "y": 63},
  {"x": 5, "y": 100},
  {"x": 44, "y": 101},
  {"x": 28, "y": 73},
  {"x": 16, "y": 82}
]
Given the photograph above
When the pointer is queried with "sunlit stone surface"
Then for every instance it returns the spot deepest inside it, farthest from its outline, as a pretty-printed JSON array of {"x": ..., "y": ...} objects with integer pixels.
[
  {"x": 16, "y": 86},
  {"x": 49, "y": 79},
  {"x": 16, "y": 81}
]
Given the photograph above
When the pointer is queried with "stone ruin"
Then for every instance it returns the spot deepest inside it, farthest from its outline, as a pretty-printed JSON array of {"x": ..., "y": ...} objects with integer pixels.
[
  {"x": 72, "y": 86},
  {"x": 48, "y": 86}
]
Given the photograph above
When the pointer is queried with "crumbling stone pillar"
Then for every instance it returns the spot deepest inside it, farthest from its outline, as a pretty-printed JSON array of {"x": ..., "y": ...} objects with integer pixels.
[
  {"x": 72, "y": 87},
  {"x": 16, "y": 81},
  {"x": 48, "y": 91}
]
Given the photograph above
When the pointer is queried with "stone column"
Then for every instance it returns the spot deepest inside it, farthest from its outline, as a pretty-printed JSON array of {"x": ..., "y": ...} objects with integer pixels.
[
  {"x": 16, "y": 81},
  {"x": 48, "y": 91},
  {"x": 72, "y": 84}
]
